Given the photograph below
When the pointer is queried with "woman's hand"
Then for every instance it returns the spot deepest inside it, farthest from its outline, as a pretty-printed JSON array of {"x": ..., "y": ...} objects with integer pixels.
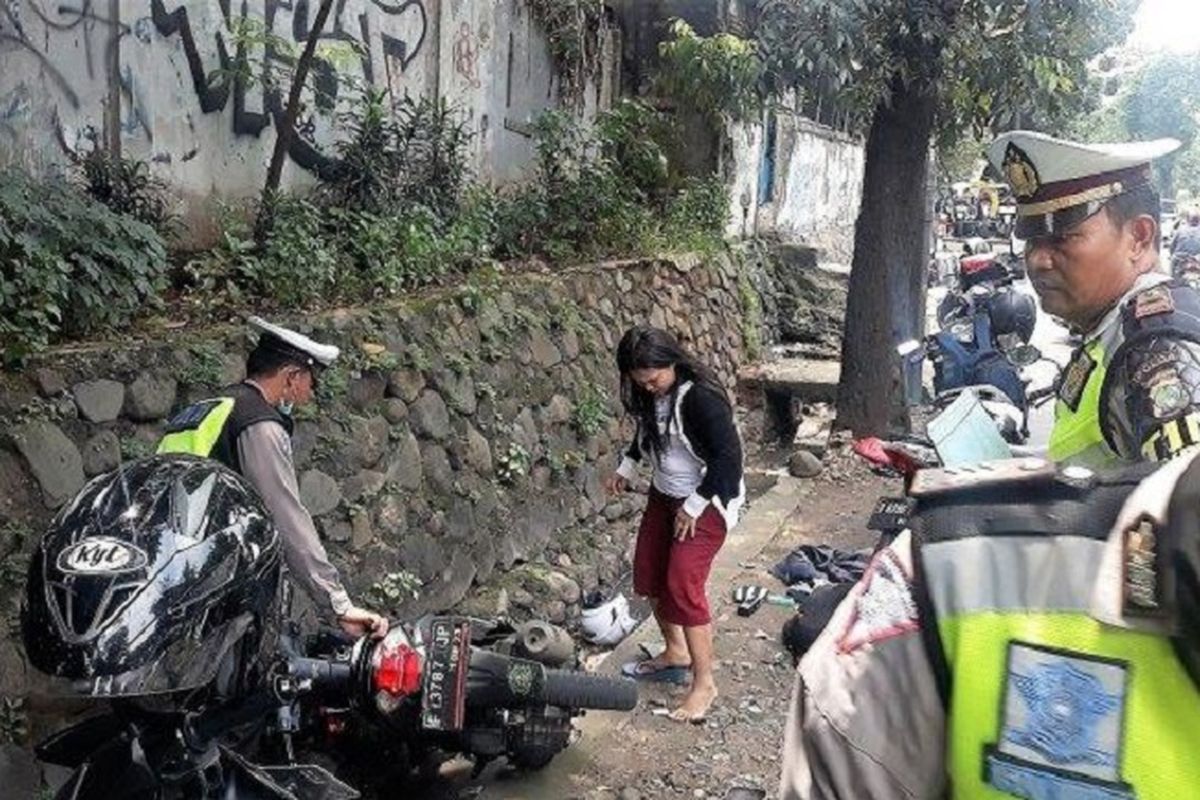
[
  {"x": 685, "y": 525},
  {"x": 614, "y": 484}
]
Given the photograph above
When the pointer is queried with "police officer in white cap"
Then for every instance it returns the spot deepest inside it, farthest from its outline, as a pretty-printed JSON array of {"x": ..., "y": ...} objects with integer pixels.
[
  {"x": 248, "y": 428},
  {"x": 1089, "y": 215},
  {"x": 1035, "y": 636}
]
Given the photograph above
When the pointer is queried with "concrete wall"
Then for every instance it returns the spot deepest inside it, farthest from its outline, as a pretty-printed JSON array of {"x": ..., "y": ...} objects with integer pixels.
[
  {"x": 141, "y": 76},
  {"x": 817, "y": 183}
]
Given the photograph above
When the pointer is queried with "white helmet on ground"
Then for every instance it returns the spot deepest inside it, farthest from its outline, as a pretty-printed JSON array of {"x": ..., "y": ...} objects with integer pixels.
[{"x": 608, "y": 623}]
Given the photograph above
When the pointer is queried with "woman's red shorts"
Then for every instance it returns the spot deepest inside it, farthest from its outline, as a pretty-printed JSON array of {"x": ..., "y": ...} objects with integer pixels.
[{"x": 674, "y": 572}]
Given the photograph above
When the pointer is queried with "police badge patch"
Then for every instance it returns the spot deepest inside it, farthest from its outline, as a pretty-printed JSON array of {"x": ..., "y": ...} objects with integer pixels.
[
  {"x": 1168, "y": 395},
  {"x": 1075, "y": 378},
  {"x": 1020, "y": 172},
  {"x": 1062, "y": 726}
]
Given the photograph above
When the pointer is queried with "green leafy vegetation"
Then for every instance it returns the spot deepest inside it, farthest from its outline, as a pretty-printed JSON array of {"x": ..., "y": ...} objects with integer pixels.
[
  {"x": 14, "y": 721},
  {"x": 204, "y": 366},
  {"x": 512, "y": 464},
  {"x": 1158, "y": 100},
  {"x": 718, "y": 75},
  {"x": 591, "y": 411},
  {"x": 126, "y": 187},
  {"x": 607, "y": 190},
  {"x": 69, "y": 266},
  {"x": 399, "y": 213},
  {"x": 393, "y": 589}
]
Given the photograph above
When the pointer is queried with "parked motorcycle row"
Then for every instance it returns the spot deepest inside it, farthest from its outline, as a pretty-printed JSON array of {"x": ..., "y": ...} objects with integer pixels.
[{"x": 157, "y": 595}]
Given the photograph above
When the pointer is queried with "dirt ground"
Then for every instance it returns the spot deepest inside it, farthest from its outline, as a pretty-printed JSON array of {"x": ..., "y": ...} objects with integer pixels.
[{"x": 646, "y": 756}]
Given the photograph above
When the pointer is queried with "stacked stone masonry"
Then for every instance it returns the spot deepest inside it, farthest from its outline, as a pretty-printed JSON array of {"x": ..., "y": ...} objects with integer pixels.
[{"x": 454, "y": 460}]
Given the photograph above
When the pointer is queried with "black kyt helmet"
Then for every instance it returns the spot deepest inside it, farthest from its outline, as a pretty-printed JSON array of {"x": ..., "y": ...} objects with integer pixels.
[{"x": 155, "y": 578}]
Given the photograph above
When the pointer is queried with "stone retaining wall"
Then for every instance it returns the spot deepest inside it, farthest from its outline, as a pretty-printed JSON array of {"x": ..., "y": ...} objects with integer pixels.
[{"x": 459, "y": 436}]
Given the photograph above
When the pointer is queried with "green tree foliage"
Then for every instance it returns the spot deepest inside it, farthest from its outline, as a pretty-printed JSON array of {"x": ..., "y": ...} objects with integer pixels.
[
  {"x": 719, "y": 76},
  {"x": 989, "y": 62},
  {"x": 1161, "y": 99},
  {"x": 916, "y": 72},
  {"x": 1164, "y": 101}
]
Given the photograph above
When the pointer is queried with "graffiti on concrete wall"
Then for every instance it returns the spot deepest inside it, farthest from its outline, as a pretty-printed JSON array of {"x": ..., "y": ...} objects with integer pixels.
[
  {"x": 70, "y": 47},
  {"x": 466, "y": 55}
]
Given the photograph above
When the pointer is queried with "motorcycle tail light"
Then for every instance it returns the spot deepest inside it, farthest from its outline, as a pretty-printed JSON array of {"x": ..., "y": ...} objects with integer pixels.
[{"x": 398, "y": 670}]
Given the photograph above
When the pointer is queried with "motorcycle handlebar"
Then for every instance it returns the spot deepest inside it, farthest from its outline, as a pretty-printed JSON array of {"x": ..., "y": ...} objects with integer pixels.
[
  {"x": 325, "y": 675},
  {"x": 322, "y": 676},
  {"x": 1041, "y": 395}
]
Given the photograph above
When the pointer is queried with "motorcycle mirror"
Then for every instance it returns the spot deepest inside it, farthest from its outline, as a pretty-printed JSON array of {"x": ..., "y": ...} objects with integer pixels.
[
  {"x": 1025, "y": 355},
  {"x": 908, "y": 348}
]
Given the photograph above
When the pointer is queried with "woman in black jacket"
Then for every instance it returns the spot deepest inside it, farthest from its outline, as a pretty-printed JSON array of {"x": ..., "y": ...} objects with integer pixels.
[{"x": 685, "y": 429}]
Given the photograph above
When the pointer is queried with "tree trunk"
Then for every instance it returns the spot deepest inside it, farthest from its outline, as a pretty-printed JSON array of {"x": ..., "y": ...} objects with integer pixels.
[
  {"x": 285, "y": 131},
  {"x": 887, "y": 276}
]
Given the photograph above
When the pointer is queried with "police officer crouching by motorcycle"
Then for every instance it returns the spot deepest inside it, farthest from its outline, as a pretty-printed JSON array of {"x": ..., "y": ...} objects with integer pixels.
[
  {"x": 1035, "y": 632},
  {"x": 248, "y": 428},
  {"x": 1089, "y": 216}
]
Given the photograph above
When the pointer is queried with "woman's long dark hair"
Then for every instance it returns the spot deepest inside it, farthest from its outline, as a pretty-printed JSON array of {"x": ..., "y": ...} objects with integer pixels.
[{"x": 644, "y": 347}]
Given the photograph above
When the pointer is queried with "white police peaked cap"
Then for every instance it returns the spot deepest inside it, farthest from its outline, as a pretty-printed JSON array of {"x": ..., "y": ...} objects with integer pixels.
[
  {"x": 1059, "y": 183},
  {"x": 294, "y": 344}
]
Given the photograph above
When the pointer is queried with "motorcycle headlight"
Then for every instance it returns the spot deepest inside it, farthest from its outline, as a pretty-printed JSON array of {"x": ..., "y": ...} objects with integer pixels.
[{"x": 963, "y": 331}]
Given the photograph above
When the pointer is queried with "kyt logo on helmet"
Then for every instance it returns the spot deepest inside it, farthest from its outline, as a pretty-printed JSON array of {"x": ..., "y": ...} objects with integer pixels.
[{"x": 100, "y": 555}]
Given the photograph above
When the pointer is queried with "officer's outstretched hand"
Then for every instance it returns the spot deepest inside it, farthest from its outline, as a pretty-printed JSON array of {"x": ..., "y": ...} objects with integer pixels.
[{"x": 360, "y": 622}]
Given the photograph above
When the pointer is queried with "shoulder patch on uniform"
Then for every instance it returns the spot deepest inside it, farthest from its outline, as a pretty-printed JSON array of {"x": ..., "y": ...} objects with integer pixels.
[
  {"x": 885, "y": 608},
  {"x": 1075, "y": 378},
  {"x": 1062, "y": 726},
  {"x": 1168, "y": 395},
  {"x": 1153, "y": 301}
]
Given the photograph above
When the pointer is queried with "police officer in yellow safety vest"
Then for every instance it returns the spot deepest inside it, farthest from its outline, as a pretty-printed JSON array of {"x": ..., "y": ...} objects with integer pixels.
[
  {"x": 1089, "y": 216},
  {"x": 248, "y": 428},
  {"x": 1035, "y": 636}
]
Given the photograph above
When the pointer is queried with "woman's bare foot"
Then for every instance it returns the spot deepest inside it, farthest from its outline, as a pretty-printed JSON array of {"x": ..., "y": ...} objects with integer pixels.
[{"x": 695, "y": 706}]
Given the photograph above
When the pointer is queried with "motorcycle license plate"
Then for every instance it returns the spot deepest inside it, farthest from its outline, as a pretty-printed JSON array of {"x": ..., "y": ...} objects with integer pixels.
[
  {"x": 447, "y": 661},
  {"x": 891, "y": 514}
]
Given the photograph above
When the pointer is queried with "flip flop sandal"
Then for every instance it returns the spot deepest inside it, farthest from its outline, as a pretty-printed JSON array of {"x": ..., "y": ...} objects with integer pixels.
[
  {"x": 640, "y": 671},
  {"x": 749, "y": 599}
]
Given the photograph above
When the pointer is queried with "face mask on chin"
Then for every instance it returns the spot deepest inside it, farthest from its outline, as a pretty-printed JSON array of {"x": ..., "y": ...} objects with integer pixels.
[{"x": 285, "y": 407}]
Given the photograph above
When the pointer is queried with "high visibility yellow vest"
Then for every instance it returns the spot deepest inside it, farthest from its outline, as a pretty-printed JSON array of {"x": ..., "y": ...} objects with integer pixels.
[
  {"x": 210, "y": 428},
  {"x": 1077, "y": 437},
  {"x": 1045, "y": 702},
  {"x": 197, "y": 429}
]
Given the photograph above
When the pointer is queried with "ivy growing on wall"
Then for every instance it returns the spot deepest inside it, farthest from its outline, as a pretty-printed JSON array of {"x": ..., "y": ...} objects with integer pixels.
[{"x": 571, "y": 27}]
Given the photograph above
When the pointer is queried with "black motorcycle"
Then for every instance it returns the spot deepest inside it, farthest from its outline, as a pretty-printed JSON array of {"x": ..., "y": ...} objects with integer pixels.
[{"x": 156, "y": 593}]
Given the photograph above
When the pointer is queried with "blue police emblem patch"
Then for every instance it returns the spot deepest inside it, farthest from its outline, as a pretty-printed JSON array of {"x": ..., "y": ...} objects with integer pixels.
[{"x": 1061, "y": 732}]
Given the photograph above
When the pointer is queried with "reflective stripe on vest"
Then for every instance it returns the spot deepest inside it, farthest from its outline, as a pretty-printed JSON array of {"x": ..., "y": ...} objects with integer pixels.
[
  {"x": 1047, "y": 702},
  {"x": 1077, "y": 437},
  {"x": 198, "y": 432}
]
